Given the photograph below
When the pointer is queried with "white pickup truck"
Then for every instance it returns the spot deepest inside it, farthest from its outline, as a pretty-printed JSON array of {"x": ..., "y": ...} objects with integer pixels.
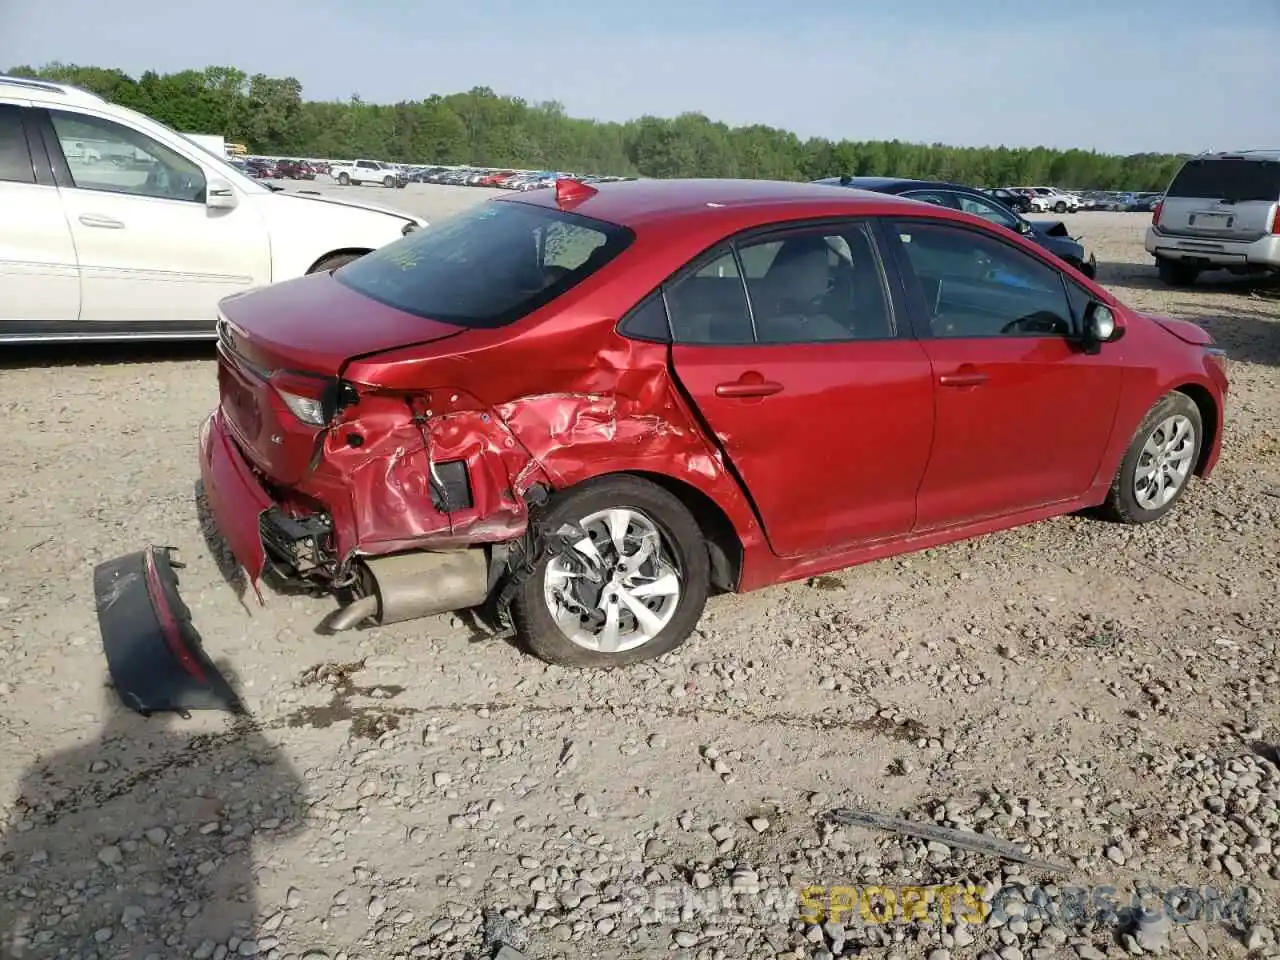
[{"x": 368, "y": 171}]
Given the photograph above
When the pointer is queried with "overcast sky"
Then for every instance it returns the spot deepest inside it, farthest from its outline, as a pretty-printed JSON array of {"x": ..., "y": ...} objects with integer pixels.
[{"x": 1115, "y": 75}]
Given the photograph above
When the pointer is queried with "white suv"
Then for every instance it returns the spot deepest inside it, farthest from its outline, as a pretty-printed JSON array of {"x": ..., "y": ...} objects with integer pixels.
[
  {"x": 1045, "y": 199},
  {"x": 116, "y": 227}
]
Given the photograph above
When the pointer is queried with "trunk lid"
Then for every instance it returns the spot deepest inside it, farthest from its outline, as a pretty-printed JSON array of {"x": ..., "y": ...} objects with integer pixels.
[
  {"x": 1222, "y": 198},
  {"x": 292, "y": 340}
]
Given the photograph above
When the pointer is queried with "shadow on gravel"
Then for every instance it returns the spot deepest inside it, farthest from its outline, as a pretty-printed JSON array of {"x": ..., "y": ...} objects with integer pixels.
[
  {"x": 26, "y": 356},
  {"x": 1248, "y": 335},
  {"x": 142, "y": 839}
]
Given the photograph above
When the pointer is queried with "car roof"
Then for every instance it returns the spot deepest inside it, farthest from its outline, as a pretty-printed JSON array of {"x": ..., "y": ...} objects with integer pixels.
[
  {"x": 1262, "y": 154},
  {"x": 633, "y": 203},
  {"x": 47, "y": 92},
  {"x": 893, "y": 184}
]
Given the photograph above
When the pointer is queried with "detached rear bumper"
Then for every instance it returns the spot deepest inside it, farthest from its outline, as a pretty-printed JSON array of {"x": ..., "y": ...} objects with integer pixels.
[
  {"x": 154, "y": 654},
  {"x": 236, "y": 499}
]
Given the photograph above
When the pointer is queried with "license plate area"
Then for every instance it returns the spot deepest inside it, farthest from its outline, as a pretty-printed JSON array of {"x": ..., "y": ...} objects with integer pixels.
[
  {"x": 1212, "y": 221},
  {"x": 239, "y": 403}
]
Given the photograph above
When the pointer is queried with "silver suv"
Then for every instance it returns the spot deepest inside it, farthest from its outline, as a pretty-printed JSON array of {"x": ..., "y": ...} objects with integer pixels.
[{"x": 1219, "y": 213}]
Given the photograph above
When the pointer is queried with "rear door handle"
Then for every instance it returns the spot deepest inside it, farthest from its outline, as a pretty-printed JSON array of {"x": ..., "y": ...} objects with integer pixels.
[
  {"x": 966, "y": 376},
  {"x": 93, "y": 220},
  {"x": 748, "y": 387}
]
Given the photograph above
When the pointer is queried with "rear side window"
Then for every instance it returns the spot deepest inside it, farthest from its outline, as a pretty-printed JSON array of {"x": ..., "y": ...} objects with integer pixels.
[
  {"x": 15, "y": 158},
  {"x": 488, "y": 266},
  {"x": 1219, "y": 179}
]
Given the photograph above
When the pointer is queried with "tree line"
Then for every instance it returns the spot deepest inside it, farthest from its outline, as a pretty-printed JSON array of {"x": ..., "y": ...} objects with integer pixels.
[{"x": 270, "y": 116}]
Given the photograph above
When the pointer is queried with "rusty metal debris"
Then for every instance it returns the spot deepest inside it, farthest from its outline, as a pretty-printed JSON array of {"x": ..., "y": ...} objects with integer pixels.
[{"x": 964, "y": 839}]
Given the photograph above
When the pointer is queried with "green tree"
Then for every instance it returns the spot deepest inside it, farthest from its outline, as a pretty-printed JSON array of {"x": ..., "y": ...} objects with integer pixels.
[{"x": 486, "y": 128}]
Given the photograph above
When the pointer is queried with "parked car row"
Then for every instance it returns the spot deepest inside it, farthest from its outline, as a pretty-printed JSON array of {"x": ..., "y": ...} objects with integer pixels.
[{"x": 505, "y": 179}]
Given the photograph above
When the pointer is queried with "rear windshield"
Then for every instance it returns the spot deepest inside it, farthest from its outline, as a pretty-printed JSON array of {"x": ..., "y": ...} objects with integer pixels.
[
  {"x": 488, "y": 266},
  {"x": 1218, "y": 179}
]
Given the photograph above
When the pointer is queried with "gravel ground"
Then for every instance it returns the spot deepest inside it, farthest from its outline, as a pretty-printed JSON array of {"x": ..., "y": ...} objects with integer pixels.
[{"x": 1103, "y": 696}]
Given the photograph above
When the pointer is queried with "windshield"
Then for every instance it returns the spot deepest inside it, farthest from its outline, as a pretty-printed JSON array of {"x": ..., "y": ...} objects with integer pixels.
[
  {"x": 487, "y": 266},
  {"x": 1219, "y": 179}
]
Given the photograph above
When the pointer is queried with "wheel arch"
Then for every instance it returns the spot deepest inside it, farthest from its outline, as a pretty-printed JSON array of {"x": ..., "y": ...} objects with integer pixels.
[
  {"x": 345, "y": 251},
  {"x": 1209, "y": 418},
  {"x": 724, "y": 546}
]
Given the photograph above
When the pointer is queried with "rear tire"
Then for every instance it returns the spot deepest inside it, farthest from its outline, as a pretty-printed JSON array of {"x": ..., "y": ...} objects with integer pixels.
[
  {"x": 344, "y": 180},
  {"x": 388, "y": 182},
  {"x": 334, "y": 262},
  {"x": 680, "y": 548},
  {"x": 1059, "y": 207},
  {"x": 1166, "y": 447},
  {"x": 1176, "y": 274}
]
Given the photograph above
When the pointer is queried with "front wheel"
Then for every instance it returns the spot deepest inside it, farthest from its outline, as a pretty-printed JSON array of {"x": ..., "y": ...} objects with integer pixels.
[
  {"x": 630, "y": 588},
  {"x": 1158, "y": 466}
]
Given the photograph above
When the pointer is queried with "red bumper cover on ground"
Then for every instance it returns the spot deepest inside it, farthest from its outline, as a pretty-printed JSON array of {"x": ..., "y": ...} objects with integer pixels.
[{"x": 236, "y": 500}]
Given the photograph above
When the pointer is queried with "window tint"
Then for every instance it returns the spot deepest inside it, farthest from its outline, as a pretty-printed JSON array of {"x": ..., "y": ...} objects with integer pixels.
[
  {"x": 15, "y": 158},
  {"x": 103, "y": 155},
  {"x": 648, "y": 320},
  {"x": 938, "y": 198},
  {"x": 986, "y": 210},
  {"x": 976, "y": 286},
  {"x": 820, "y": 285},
  {"x": 709, "y": 306},
  {"x": 1217, "y": 179},
  {"x": 488, "y": 266}
]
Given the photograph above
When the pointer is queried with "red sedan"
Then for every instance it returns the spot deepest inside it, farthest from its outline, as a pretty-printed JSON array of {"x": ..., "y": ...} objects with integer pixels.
[{"x": 589, "y": 405}]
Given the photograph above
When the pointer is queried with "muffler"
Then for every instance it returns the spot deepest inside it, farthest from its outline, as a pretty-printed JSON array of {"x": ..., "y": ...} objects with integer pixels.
[{"x": 423, "y": 583}]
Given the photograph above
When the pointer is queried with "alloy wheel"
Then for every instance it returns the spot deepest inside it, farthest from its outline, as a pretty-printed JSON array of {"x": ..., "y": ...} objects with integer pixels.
[
  {"x": 1165, "y": 462},
  {"x": 620, "y": 586}
]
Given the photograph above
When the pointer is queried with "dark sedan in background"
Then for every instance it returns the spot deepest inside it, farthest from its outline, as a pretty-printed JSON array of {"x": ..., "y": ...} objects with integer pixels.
[
  {"x": 1052, "y": 235},
  {"x": 1017, "y": 202}
]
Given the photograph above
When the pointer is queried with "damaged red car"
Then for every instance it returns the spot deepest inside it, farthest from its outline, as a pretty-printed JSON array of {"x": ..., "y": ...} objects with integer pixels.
[{"x": 591, "y": 405}]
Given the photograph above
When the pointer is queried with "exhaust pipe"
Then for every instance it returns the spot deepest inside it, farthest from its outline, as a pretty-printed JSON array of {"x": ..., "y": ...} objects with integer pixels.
[{"x": 418, "y": 584}]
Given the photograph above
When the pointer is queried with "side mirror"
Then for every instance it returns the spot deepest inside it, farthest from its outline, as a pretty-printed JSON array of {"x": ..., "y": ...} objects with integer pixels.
[
  {"x": 1024, "y": 228},
  {"x": 220, "y": 195},
  {"x": 1100, "y": 326}
]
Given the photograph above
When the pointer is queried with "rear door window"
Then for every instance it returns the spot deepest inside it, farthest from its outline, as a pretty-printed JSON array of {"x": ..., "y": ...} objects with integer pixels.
[
  {"x": 488, "y": 266},
  {"x": 1222, "y": 179}
]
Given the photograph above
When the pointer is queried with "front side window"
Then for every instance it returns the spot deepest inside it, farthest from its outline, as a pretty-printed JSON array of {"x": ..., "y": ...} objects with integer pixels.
[
  {"x": 976, "y": 286},
  {"x": 15, "y": 158},
  {"x": 108, "y": 156},
  {"x": 939, "y": 198},
  {"x": 986, "y": 210},
  {"x": 488, "y": 266}
]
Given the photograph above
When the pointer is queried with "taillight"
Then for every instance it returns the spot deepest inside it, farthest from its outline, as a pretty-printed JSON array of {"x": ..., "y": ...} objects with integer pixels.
[
  {"x": 303, "y": 395},
  {"x": 1275, "y": 221},
  {"x": 1155, "y": 213}
]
